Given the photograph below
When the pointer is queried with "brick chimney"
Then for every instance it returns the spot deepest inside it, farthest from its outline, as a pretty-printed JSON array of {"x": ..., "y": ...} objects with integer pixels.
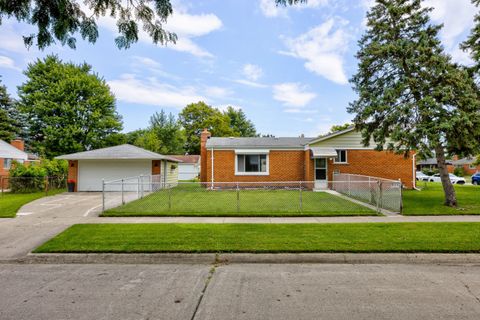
[
  {"x": 204, "y": 136},
  {"x": 19, "y": 144}
]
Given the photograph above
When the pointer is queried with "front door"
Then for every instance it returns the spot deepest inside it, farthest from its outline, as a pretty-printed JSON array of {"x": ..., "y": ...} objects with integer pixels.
[{"x": 320, "y": 173}]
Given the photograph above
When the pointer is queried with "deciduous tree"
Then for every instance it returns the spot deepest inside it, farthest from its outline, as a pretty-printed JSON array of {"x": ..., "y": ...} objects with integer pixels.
[{"x": 68, "y": 108}]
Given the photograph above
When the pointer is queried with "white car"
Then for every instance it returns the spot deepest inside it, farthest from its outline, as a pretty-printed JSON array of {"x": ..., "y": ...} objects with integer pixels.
[
  {"x": 421, "y": 176},
  {"x": 453, "y": 178}
]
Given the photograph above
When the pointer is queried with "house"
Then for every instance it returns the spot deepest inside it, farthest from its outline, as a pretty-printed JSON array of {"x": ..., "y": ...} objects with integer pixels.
[
  {"x": 468, "y": 165},
  {"x": 430, "y": 164},
  {"x": 271, "y": 159},
  {"x": 89, "y": 168},
  {"x": 189, "y": 168},
  {"x": 13, "y": 151}
]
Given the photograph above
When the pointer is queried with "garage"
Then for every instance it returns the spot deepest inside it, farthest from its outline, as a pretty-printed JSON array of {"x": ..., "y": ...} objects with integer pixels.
[{"x": 89, "y": 169}]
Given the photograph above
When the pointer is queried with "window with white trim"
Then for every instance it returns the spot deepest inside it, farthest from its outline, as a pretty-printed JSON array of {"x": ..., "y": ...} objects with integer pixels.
[
  {"x": 252, "y": 164},
  {"x": 341, "y": 156},
  {"x": 7, "y": 163}
]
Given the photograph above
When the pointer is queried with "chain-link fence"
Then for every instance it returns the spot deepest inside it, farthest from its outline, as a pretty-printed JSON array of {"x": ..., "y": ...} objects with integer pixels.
[
  {"x": 149, "y": 195},
  {"x": 32, "y": 184},
  {"x": 381, "y": 193}
]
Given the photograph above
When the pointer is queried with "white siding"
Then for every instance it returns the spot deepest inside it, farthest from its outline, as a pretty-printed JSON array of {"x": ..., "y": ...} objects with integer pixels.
[
  {"x": 188, "y": 171},
  {"x": 172, "y": 172},
  {"x": 349, "y": 140}
]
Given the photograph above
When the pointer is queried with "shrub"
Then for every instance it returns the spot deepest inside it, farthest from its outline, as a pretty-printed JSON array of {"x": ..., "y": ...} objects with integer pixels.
[
  {"x": 459, "y": 172},
  {"x": 32, "y": 177}
]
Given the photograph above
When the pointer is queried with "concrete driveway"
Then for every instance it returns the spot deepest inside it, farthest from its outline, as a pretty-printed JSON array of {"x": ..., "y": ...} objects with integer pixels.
[{"x": 40, "y": 220}]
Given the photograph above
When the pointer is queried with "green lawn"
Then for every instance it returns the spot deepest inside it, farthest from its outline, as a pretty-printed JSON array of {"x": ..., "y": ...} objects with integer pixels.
[
  {"x": 194, "y": 200},
  {"x": 430, "y": 200},
  {"x": 11, "y": 202},
  {"x": 258, "y": 238}
]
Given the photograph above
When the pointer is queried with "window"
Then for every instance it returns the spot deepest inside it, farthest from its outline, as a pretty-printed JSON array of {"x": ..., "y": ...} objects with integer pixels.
[
  {"x": 341, "y": 156},
  {"x": 252, "y": 164},
  {"x": 7, "y": 163}
]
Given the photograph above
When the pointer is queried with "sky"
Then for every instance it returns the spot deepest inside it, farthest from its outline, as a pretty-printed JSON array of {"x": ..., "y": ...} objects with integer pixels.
[{"x": 287, "y": 68}]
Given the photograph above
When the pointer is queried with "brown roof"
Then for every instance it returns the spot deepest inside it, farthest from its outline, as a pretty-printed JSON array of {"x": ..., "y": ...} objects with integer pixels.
[{"x": 194, "y": 158}]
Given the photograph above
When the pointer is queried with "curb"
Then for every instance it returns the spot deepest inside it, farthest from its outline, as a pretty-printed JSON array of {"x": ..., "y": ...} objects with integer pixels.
[{"x": 247, "y": 258}]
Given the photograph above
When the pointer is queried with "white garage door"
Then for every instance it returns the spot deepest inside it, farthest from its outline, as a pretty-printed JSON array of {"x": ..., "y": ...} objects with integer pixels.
[{"x": 91, "y": 172}]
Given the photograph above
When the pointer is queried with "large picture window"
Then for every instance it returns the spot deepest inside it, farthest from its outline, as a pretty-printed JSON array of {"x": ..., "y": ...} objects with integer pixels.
[
  {"x": 7, "y": 163},
  {"x": 252, "y": 164}
]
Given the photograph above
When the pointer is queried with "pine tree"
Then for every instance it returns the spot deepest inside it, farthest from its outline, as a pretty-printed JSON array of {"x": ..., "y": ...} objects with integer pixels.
[
  {"x": 9, "y": 126},
  {"x": 411, "y": 97}
]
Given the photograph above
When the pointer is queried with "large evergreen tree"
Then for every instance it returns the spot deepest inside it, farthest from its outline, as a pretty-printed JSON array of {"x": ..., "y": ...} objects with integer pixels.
[
  {"x": 68, "y": 108},
  {"x": 9, "y": 126},
  {"x": 410, "y": 95},
  {"x": 239, "y": 122}
]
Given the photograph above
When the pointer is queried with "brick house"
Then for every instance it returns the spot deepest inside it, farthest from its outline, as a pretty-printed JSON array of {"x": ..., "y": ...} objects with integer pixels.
[
  {"x": 299, "y": 159},
  {"x": 468, "y": 165},
  {"x": 13, "y": 151}
]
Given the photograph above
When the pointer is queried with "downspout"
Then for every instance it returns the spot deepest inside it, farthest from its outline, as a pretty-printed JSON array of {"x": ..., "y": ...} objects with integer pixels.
[
  {"x": 415, "y": 172},
  {"x": 213, "y": 174}
]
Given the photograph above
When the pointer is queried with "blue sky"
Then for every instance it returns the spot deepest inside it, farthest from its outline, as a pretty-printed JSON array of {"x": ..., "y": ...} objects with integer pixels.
[{"x": 287, "y": 68}]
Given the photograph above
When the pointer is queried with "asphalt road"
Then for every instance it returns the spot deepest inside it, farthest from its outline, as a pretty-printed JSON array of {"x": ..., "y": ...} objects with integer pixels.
[{"x": 239, "y": 291}]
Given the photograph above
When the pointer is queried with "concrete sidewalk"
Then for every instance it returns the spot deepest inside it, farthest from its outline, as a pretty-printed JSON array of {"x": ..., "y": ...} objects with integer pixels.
[{"x": 42, "y": 219}]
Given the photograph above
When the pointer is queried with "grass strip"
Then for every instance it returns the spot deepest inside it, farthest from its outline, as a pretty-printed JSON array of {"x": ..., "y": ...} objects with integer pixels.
[
  {"x": 263, "y": 238},
  {"x": 10, "y": 203}
]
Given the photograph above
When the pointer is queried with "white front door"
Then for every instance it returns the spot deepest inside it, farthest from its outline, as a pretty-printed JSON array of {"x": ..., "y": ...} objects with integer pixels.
[{"x": 321, "y": 173}]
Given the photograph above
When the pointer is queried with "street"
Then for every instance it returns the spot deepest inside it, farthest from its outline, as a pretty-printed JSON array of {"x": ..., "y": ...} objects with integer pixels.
[{"x": 239, "y": 291}]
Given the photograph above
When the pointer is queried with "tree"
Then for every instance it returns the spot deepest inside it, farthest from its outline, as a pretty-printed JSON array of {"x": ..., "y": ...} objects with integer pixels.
[
  {"x": 67, "y": 107},
  {"x": 9, "y": 127},
  {"x": 62, "y": 20},
  {"x": 340, "y": 127},
  {"x": 472, "y": 44},
  {"x": 410, "y": 95},
  {"x": 197, "y": 116},
  {"x": 239, "y": 122},
  {"x": 169, "y": 132}
]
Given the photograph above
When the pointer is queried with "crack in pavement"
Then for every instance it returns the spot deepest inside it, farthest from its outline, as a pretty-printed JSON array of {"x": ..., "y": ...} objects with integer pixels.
[{"x": 202, "y": 293}]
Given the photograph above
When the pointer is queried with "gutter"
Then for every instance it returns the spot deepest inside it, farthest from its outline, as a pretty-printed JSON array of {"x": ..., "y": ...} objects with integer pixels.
[
  {"x": 213, "y": 172},
  {"x": 414, "y": 171}
]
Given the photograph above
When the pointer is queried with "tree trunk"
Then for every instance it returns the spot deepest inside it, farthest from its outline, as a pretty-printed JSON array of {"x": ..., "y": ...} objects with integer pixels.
[{"x": 448, "y": 190}]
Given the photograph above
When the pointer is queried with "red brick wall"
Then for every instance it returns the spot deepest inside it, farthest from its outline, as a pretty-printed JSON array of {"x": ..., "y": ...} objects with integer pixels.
[
  {"x": 294, "y": 165},
  {"x": 73, "y": 171},
  {"x": 382, "y": 164},
  {"x": 284, "y": 166}
]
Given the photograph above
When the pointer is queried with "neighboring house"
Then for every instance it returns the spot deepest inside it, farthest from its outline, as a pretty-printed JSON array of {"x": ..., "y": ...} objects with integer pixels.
[
  {"x": 299, "y": 159},
  {"x": 89, "y": 168},
  {"x": 431, "y": 164},
  {"x": 468, "y": 165},
  {"x": 189, "y": 168},
  {"x": 9, "y": 152}
]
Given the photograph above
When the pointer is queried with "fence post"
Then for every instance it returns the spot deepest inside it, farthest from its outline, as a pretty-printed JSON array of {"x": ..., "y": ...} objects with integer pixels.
[
  {"x": 379, "y": 196},
  {"x": 46, "y": 185},
  {"x": 1, "y": 182},
  {"x": 401, "y": 195},
  {"x": 141, "y": 185},
  {"x": 103, "y": 195},
  {"x": 301, "y": 199},
  {"x": 238, "y": 199},
  {"x": 169, "y": 199},
  {"x": 348, "y": 185},
  {"x": 123, "y": 198}
]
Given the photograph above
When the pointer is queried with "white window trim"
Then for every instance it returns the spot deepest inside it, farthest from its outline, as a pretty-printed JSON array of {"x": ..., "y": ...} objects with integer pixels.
[
  {"x": 5, "y": 161},
  {"x": 237, "y": 173},
  {"x": 346, "y": 157}
]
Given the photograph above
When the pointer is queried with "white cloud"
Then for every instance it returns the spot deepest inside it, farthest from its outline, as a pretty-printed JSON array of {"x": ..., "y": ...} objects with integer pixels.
[
  {"x": 218, "y": 92},
  {"x": 145, "y": 61},
  {"x": 8, "y": 63},
  {"x": 323, "y": 48},
  {"x": 250, "y": 83},
  {"x": 186, "y": 26},
  {"x": 292, "y": 95},
  {"x": 252, "y": 72},
  {"x": 151, "y": 92},
  {"x": 270, "y": 9}
]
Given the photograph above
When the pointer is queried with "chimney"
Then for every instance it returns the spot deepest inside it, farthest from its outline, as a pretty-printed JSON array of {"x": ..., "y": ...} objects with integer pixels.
[
  {"x": 19, "y": 144},
  {"x": 203, "y": 154}
]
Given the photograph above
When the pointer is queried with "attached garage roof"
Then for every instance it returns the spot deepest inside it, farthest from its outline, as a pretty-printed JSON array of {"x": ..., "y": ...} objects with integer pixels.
[
  {"x": 323, "y": 152},
  {"x": 121, "y": 152}
]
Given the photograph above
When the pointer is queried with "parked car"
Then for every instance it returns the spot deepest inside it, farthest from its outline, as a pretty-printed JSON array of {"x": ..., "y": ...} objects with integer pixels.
[
  {"x": 420, "y": 176},
  {"x": 453, "y": 178},
  {"x": 476, "y": 179}
]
